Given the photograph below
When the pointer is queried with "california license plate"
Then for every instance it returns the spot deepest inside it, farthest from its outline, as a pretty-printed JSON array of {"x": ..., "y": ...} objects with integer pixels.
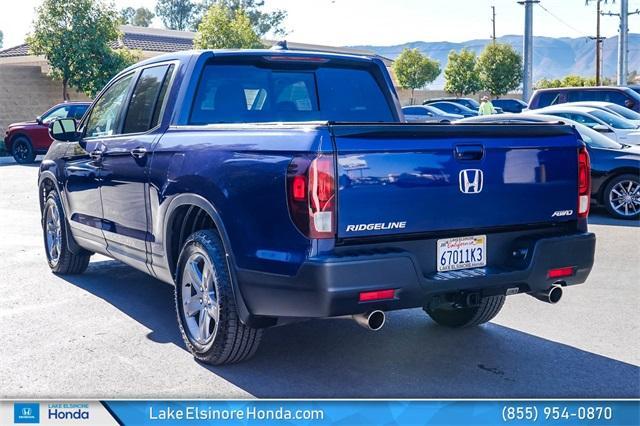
[{"x": 462, "y": 253}]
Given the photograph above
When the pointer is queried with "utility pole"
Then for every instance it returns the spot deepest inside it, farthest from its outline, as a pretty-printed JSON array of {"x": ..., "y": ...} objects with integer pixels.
[
  {"x": 598, "y": 40},
  {"x": 527, "y": 74},
  {"x": 493, "y": 21},
  {"x": 623, "y": 41}
]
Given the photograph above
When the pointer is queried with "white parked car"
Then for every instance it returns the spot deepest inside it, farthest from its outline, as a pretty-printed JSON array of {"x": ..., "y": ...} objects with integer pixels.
[
  {"x": 620, "y": 110},
  {"x": 613, "y": 126}
]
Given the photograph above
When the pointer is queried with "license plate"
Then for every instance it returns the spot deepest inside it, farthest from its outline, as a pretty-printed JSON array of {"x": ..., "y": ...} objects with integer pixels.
[{"x": 462, "y": 253}]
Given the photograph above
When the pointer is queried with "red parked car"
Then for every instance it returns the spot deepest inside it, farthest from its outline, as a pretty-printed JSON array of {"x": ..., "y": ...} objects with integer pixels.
[{"x": 28, "y": 139}]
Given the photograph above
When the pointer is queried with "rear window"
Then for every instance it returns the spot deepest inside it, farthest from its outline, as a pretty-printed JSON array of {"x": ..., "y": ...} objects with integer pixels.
[
  {"x": 613, "y": 121},
  {"x": 235, "y": 93},
  {"x": 414, "y": 111},
  {"x": 627, "y": 113}
]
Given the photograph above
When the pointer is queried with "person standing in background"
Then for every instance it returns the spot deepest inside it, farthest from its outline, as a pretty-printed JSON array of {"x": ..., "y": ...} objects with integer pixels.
[{"x": 486, "y": 107}]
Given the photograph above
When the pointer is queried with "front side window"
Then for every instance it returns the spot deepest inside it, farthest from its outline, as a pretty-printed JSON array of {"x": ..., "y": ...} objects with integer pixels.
[
  {"x": 145, "y": 100},
  {"x": 62, "y": 112},
  {"x": 105, "y": 116},
  {"x": 546, "y": 99},
  {"x": 235, "y": 93}
]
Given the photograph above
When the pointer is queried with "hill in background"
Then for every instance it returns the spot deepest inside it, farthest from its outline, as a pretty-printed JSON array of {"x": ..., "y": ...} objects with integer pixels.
[{"x": 552, "y": 57}]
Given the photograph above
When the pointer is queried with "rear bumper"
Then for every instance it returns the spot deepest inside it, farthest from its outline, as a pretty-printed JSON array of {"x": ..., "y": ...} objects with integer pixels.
[{"x": 330, "y": 286}]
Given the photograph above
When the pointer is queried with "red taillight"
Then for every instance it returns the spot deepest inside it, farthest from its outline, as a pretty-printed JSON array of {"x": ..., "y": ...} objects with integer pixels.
[
  {"x": 311, "y": 186},
  {"x": 370, "y": 296},
  {"x": 584, "y": 182},
  {"x": 299, "y": 188},
  {"x": 567, "y": 271}
]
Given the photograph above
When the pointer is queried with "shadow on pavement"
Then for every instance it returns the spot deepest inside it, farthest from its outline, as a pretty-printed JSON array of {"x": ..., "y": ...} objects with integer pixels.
[
  {"x": 410, "y": 357},
  {"x": 600, "y": 216},
  {"x": 12, "y": 162}
]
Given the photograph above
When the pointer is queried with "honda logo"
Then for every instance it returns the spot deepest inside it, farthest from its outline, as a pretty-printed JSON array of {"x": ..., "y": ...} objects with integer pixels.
[{"x": 471, "y": 181}]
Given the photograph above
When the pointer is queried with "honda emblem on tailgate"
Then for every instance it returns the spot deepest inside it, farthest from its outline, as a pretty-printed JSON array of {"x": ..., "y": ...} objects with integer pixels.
[{"x": 471, "y": 181}]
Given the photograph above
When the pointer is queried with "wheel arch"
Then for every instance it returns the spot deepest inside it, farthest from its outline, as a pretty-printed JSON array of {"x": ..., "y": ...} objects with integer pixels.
[
  {"x": 48, "y": 182},
  {"x": 626, "y": 170},
  {"x": 182, "y": 211},
  {"x": 12, "y": 139}
]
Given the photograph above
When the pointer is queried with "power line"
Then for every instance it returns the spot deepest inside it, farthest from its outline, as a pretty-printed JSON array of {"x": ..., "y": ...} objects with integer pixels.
[{"x": 566, "y": 24}]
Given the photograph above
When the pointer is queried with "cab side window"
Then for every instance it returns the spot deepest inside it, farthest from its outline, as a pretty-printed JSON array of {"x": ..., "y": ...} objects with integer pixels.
[
  {"x": 147, "y": 99},
  {"x": 105, "y": 116}
]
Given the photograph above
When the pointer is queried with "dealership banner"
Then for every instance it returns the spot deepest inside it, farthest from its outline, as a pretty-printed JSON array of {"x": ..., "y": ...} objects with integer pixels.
[{"x": 323, "y": 412}]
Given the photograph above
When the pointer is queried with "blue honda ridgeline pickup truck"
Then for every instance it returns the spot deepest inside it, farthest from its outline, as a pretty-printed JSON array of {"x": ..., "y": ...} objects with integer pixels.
[{"x": 274, "y": 186}]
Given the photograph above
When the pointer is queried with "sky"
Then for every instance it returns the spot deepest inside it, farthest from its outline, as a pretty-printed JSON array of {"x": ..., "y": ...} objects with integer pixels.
[{"x": 389, "y": 22}]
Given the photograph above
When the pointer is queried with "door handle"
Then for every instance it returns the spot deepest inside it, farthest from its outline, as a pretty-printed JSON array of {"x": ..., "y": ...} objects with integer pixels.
[
  {"x": 469, "y": 152},
  {"x": 96, "y": 155},
  {"x": 139, "y": 152}
]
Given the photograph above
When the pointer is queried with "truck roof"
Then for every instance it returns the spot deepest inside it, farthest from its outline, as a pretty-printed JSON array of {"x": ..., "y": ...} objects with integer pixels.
[{"x": 186, "y": 55}]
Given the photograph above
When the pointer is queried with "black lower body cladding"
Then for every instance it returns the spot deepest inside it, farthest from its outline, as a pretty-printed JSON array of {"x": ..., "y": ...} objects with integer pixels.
[{"x": 518, "y": 262}]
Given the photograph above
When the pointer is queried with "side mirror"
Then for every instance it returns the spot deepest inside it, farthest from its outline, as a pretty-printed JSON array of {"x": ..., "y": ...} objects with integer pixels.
[
  {"x": 601, "y": 128},
  {"x": 39, "y": 120},
  {"x": 64, "y": 130}
]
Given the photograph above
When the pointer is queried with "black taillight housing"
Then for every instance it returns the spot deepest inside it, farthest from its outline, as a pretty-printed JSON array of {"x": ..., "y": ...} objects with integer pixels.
[{"x": 311, "y": 195}]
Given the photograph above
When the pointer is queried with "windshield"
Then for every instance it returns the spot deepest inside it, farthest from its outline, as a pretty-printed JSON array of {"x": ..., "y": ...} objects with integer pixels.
[
  {"x": 470, "y": 103},
  {"x": 624, "y": 111},
  {"x": 595, "y": 139},
  {"x": 612, "y": 120}
]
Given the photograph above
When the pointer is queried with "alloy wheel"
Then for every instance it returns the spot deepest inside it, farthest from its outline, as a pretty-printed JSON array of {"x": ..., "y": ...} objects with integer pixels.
[
  {"x": 21, "y": 151},
  {"x": 201, "y": 310},
  {"x": 624, "y": 197},
  {"x": 53, "y": 232}
]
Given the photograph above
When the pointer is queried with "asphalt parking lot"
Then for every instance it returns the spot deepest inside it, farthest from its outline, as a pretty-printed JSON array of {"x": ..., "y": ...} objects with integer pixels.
[{"x": 112, "y": 333}]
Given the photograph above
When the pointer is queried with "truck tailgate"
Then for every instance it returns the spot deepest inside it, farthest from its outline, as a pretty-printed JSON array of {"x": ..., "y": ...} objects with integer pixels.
[{"x": 409, "y": 178}]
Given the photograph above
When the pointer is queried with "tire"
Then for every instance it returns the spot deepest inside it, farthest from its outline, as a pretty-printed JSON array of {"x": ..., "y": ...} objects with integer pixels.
[
  {"x": 614, "y": 195},
  {"x": 222, "y": 339},
  {"x": 452, "y": 317},
  {"x": 22, "y": 150},
  {"x": 61, "y": 260}
]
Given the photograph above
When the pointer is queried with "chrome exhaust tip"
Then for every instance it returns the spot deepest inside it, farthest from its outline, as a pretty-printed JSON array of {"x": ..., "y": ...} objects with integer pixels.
[
  {"x": 551, "y": 295},
  {"x": 373, "y": 320}
]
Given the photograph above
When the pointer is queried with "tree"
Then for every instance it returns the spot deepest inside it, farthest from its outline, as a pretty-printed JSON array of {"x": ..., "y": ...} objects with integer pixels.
[
  {"x": 500, "y": 68},
  {"x": 126, "y": 15},
  {"x": 74, "y": 37},
  {"x": 414, "y": 70},
  {"x": 263, "y": 23},
  {"x": 571, "y": 81},
  {"x": 140, "y": 17},
  {"x": 176, "y": 14},
  {"x": 143, "y": 17},
  {"x": 222, "y": 28},
  {"x": 461, "y": 77}
]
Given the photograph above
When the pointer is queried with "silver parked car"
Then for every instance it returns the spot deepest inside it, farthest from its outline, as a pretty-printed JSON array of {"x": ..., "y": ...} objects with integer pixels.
[{"x": 428, "y": 114}]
